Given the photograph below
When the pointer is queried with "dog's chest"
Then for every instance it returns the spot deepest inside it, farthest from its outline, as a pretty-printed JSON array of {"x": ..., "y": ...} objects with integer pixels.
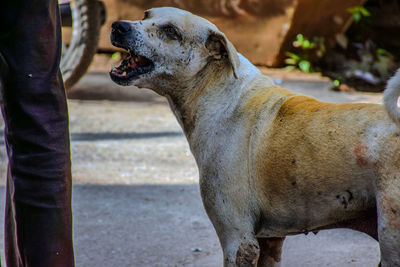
[{"x": 220, "y": 146}]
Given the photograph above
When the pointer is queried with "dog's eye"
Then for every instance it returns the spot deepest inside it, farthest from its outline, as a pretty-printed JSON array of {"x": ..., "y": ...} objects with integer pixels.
[
  {"x": 170, "y": 32},
  {"x": 146, "y": 15}
]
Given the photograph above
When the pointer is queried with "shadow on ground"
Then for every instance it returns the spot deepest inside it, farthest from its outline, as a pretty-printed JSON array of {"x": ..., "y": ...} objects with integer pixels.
[{"x": 165, "y": 225}]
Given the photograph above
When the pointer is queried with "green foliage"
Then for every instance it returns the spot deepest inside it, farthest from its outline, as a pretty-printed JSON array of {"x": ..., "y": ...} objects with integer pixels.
[
  {"x": 309, "y": 49},
  {"x": 380, "y": 52},
  {"x": 298, "y": 61},
  {"x": 359, "y": 12},
  {"x": 305, "y": 65},
  {"x": 383, "y": 63},
  {"x": 116, "y": 55},
  {"x": 292, "y": 59},
  {"x": 336, "y": 82},
  {"x": 303, "y": 42}
]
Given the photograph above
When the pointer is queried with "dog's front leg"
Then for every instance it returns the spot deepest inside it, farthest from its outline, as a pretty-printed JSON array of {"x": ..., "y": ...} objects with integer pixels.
[
  {"x": 240, "y": 247},
  {"x": 231, "y": 213}
]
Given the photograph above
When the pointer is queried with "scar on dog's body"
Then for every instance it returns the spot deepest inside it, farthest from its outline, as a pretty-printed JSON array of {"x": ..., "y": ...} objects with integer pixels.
[{"x": 272, "y": 163}]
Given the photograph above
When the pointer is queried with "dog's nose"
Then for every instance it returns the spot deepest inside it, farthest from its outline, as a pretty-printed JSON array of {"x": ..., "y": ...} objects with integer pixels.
[{"x": 121, "y": 27}]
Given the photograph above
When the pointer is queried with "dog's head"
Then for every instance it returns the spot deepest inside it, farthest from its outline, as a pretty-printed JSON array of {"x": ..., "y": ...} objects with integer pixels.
[{"x": 169, "y": 47}]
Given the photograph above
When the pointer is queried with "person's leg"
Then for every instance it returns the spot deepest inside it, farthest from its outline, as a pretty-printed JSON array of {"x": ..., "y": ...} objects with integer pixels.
[{"x": 38, "y": 226}]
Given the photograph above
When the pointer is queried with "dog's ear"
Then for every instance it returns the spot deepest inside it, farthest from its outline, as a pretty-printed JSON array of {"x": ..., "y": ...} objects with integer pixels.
[{"x": 219, "y": 47}]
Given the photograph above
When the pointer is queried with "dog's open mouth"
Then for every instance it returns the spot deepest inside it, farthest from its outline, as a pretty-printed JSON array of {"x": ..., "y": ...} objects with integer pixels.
[{"x": 131, "y": 67}]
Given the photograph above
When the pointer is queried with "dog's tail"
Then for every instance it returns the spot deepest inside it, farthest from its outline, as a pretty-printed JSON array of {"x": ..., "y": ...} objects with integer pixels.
[{"x": 390, "y": 97}]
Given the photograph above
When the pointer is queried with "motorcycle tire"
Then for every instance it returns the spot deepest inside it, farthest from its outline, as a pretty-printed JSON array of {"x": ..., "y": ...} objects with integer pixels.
[{"x": 86, "y": 23}]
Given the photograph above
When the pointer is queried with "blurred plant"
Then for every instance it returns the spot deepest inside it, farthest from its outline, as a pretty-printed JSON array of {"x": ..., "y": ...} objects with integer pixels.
[
  {"x": 116, "y": 56},
  {"x": 310, "y": 51},
  {"x": 303, "y": 42},
  {"x": 317, "y": 45},
  {"x": 359, "y": 12},
  {"x": 298, "y": 61},
  {"x": 336, "y": 83},
  {"x": 384, "y": 64}
]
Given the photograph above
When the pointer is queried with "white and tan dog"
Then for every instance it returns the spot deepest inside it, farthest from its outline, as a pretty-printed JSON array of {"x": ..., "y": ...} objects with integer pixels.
[{"x": 271, "y": 163}]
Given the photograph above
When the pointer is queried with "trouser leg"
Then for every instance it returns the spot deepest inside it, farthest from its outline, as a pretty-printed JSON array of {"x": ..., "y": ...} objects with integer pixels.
[{"x": 38, "y": 226}]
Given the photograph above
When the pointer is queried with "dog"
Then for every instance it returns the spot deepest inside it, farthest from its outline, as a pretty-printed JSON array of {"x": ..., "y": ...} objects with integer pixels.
[{"x": 272, "y": 163}]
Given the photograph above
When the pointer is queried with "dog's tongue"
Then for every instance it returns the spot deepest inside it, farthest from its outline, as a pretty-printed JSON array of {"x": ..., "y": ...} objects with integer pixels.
[
  {"x": 137, "y": 61},
  {"x": 132, "y": 63}
]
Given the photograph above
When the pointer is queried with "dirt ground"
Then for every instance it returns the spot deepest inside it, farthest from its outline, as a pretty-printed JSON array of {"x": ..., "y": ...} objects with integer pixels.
[{"x": 136, "y": 199}]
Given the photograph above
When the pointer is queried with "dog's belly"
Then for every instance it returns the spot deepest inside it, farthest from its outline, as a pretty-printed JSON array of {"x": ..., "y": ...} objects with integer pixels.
[
  {"x": 310, "y": 192},
  {"x": 364, "y": 221},
  {"x": 302, "y": 212}
]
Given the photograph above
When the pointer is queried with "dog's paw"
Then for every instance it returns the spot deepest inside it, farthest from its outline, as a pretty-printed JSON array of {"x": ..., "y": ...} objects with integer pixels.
[{"x": 247, "y": 255}]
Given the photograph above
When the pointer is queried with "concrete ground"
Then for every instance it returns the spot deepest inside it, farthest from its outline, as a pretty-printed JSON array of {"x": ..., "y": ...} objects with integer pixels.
[{"x": 136, "y": 199}]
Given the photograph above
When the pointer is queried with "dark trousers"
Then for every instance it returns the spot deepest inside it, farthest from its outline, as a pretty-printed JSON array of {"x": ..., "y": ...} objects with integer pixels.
[{"x": 38, "y": 219}]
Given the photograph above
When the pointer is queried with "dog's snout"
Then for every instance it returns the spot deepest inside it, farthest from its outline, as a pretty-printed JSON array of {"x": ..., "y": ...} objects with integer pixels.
[{"x": 121, "y": 27}]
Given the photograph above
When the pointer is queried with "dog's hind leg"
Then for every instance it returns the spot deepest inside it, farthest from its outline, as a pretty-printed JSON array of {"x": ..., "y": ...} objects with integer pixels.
[
  {"x": 270, "y": 251},
  {"x": 388, "y": 208}
]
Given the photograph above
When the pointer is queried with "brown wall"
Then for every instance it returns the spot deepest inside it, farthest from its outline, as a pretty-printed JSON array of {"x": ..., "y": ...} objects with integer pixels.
[{"x": 262, "y": 30}]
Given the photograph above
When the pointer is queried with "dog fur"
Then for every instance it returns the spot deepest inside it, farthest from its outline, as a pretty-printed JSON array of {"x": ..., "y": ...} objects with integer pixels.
[{"x": 272, "y": 163}]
